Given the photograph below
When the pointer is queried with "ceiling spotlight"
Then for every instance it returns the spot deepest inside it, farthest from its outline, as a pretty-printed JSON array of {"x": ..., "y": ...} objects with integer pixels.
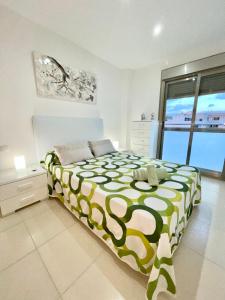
[{"x": 157, "y": 30}]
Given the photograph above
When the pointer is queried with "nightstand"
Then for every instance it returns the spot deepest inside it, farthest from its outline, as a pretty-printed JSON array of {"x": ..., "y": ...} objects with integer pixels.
[{"x": 21, "y": 188}]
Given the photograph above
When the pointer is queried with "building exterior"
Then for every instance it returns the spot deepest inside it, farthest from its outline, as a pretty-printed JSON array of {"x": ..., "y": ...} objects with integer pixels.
[{"x": 203, "y": 119}]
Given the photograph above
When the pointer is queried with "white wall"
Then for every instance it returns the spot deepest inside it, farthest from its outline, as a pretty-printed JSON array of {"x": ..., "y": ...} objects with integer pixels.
[{"x": 18, "y": 98}]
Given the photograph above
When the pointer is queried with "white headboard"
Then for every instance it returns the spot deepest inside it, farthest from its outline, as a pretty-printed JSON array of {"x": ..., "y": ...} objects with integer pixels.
[{"x": 50, "y": 131}]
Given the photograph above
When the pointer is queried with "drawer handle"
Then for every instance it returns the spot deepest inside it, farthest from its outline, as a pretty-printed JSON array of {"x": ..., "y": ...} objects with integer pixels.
[
  {"x": 25, "y": 186},
  {"x": 27, "y": 199}
]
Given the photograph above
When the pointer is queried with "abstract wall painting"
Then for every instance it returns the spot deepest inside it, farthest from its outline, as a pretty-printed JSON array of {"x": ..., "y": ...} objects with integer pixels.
[{"x": 55, "y": 80}]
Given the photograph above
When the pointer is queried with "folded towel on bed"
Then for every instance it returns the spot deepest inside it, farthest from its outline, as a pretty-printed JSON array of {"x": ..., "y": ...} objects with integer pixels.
[
  {"x": 150, "y": 174},
  {"x": 140, "y": 174},
  {"x": 161, "y": 173}
]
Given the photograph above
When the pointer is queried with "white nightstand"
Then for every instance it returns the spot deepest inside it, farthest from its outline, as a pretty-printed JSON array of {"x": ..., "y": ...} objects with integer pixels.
[{"x": 21, "y": 188}]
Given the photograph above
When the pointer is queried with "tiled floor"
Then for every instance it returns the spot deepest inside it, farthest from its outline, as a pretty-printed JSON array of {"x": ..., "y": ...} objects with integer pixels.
[{"x": 45, "y": 253}]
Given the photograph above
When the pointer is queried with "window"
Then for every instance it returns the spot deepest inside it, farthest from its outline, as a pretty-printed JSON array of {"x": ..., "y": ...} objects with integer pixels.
[
  {"x": 206, "y": 160},
  {"x": 202, "y": 142},
  {"x": 211, "y": 108},
  {"x": 179, "y": 103}
]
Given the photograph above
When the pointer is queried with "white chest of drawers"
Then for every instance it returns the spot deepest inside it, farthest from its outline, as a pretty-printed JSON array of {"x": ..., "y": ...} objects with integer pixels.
[
  {"x": 143, "y": 137},
  {"x": 18, "y": 189}
]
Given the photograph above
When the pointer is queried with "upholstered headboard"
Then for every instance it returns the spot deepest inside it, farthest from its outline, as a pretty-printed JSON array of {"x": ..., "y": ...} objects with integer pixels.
[{"x": 50, "y": 131}]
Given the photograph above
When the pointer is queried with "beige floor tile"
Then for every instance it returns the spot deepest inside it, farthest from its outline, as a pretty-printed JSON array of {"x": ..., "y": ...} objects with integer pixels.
[
  {"x": 128, "y": 283},
  {"x": 188, "y": 268},
  {"x": 184, "y": 296},
  {"x": 44, "y": 226},
  {"x": 27, "y": 280},
  {"x": 53, "y": 203},
  {"x": 9, "y": 221},
  {"x": 215, "y": 248},
  {"x": 196, "y": 234},
  {"x": 203, "y": 212},
  {"x": 33, "y": 210},
  {"x": 93, "y": 284},
  {"x": 46, "y": 205},
  {"x": 218, "y": 221},
  {"x": 65, "y": 259},
  {"x": 14, "y": 244},
  {"x": 211, "y": 283},
  {"x": 197, "y": 277},
  {"x": 211, "y": 216},
  {"x": 62, "y": 213},
  {"x": 206, "y": 239},
  {"x": 86, "y": 239},
  {"x": 213, "y": 190}
]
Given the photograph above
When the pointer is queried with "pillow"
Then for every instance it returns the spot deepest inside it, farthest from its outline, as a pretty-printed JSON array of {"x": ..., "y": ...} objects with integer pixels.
[
  {"x": 73, "y": 152},
  {"x": 101, "y": 147}
]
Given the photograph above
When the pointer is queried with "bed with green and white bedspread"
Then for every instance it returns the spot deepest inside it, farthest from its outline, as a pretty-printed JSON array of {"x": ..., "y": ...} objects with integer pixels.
[{"x": 141, "y": 224}]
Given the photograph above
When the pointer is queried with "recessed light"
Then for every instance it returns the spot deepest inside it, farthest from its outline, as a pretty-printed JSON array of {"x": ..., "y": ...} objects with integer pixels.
[{"x": 157, "y": 30}]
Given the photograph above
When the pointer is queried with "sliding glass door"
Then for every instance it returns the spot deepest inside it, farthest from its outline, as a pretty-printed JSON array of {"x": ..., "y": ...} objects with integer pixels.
[{"x": 193, "y": 121}]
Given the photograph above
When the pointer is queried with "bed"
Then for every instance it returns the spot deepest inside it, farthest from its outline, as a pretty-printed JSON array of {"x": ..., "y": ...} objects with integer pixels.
[{"x": 141, "y": 224}]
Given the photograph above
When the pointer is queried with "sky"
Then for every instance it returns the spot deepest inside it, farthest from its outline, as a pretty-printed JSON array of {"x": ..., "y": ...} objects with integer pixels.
[{"x": 214, "y": 102}]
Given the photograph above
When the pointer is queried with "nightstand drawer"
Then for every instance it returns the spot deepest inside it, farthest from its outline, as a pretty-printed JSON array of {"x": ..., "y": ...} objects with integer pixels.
[
  {"x": 10, "y": 205},
  {"x": 16, "y": 188}
]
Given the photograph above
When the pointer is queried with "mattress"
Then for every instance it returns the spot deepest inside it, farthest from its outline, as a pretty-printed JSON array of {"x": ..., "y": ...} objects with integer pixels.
[{"x": 141, "y": 224}]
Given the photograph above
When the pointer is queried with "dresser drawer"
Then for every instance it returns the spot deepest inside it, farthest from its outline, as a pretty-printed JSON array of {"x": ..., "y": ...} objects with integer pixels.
[
  {"x": 140, "y": 125},
  {"x": 140, "y": 133},
  {"x": 140, "y": 149},
  {"x": 10, "y": 205},
  {"x": 19, "y": 187},
  {"x": 140, "y": 141},
  {"x": 143, "y": 152}
]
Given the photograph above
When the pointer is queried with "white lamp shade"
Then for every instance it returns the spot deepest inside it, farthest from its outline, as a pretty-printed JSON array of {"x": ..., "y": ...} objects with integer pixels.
[{"x": 20, "y": 162}]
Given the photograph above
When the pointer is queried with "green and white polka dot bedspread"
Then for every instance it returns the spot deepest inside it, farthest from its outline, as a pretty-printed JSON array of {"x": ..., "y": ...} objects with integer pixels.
[{"x": 141, "y": 224}]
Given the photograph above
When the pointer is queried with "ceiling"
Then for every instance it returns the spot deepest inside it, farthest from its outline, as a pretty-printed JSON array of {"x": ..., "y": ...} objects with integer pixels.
[{"x": 121, "y": 31}]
